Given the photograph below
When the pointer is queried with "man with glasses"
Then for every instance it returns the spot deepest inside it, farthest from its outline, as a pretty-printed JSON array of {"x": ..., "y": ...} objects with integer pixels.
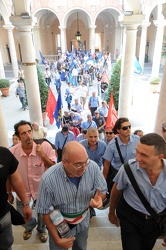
[
  {"x": 109, "y": 135},
  {"x": 127, "y": 144},
  {"x": 71, "y": 186}
]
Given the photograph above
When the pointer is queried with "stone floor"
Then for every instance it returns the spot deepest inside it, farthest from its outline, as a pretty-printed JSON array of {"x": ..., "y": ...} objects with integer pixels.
[{"x": 102, "y": 236}]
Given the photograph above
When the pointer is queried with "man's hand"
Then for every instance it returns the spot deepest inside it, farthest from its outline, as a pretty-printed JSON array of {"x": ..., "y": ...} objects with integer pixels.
[
  {"x": 113, "y": 218},
  {"x": 96, "y": 202},
  {"x": 40, "y": 151},
  {"x": 27, "y": 212},
  {"x": 65, "y": 243}
]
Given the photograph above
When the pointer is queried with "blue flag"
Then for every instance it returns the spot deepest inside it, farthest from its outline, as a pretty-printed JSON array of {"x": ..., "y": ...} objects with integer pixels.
[
  {"x": 42, "y": 57},
  {"x": 58, "y": 110},
  {"x": 138, "y": 69}
]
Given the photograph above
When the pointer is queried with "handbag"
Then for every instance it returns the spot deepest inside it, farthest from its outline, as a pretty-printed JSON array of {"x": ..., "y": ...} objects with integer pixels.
[
  {"x": 159, "y": 218},
  {"x": 59, "y": 150},
  {"x": 16, "y": 217}
]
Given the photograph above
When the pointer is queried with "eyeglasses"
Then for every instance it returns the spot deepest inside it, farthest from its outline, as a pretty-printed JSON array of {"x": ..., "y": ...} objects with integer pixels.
[
  {"x": 79, "y": 165},
  {"x": 126, "y": 127},
  {"x": 109, "y": 133}
]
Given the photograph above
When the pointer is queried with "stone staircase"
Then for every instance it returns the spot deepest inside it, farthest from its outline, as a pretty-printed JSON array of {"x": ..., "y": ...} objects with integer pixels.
[{"x": 102, "y": 236}]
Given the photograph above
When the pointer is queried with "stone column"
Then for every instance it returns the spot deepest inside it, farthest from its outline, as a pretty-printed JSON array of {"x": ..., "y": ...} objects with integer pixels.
[
  {"x": 24, "y": 27},
  {"x": 130, "y": 24},
  {"x": 2, "y": 71},
  {"x": 143, "y": 44},
  {"x": 158, "y": 46},
  {"x": 118, "y": 39},
  {"x": 92, "y": 39},
  {"x": 160, "y": 115},
  {"x": 13, "y": 55},
  {"x": 63, "y": 39},
  {"x": 4, "y": 141}
]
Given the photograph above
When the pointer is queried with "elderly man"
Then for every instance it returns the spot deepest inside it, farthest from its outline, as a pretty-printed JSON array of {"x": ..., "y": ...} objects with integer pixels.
[
  {"x": 33, "y": 160},
  {"x": 76, "y": 106},
  {"x": 139, "y": 230},
  {"x": 38, "y": 132},
  {"x": 74, "y": 184},
  {"x": 76, "y": 119}
]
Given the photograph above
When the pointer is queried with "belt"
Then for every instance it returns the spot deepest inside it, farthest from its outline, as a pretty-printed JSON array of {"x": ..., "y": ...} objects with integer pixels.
[{"x": 134, "y": 211}]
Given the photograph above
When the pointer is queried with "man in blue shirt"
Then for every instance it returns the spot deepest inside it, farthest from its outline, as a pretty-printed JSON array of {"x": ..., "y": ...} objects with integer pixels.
[
  {"x": 61, "y": 138},
  {"x": 139, "y": 230},
  {"x": 93, "y": 103},
  {"x": 88, "y": 123},
  {"x": 94, "y": 147},
  {"x": 127, "y": 144}
]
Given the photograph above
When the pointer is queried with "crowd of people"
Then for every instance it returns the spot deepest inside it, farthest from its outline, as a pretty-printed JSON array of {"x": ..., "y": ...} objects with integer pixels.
[
  {"x": 76, "y": 175},
  {"x": 84, "y": 169}
]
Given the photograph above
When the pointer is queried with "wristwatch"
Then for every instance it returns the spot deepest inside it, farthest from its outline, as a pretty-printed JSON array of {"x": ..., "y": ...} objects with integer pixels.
[{"x": 25, "y": 204}]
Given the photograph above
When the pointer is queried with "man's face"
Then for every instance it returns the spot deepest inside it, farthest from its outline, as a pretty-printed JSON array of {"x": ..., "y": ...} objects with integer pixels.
[
  {"x": 109, "y": 134},
  {"x": 97, "y": 115},
  {"x": 125, "y": 129},
  {"x": 89, "y": 118},
  {"x": 92, "y": 138},
  {"x": 76, "y": 164},
  {"x": 145, "y": 156},
  {"x": 25, "y": 134}
]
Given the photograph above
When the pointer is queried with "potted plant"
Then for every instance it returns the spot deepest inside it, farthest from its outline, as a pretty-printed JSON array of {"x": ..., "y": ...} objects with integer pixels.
[
  {"x": 154, "y": 82},
  {"x": 4, "y": 87}
]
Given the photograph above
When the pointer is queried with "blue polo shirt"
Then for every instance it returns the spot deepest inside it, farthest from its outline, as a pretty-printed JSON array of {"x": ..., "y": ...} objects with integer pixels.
[
  {"x": 127, "y": 150},
  {"x": 86, "y": 124},
  {"x": 97, "y": 154},
  {"x": 60, "y": 138}
]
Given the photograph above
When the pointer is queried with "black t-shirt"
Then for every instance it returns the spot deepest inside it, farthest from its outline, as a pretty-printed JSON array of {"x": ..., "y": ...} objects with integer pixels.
[{"x": 8, "y": 165}]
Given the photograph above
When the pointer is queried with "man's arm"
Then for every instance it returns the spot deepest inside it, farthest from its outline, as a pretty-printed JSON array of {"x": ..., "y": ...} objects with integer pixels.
[
  {"x": 106, "y": 168},
  {"x": 63, "y": 243},
  {"x": 115, "y": 196},
  {"x": 17, "y": 184}
]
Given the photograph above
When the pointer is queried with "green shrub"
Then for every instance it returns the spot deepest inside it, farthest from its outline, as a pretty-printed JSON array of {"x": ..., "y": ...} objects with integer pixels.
[
  {"x": 114, "y": 84},
  {"x": 154, "y": 80},
  {"x": 4, "y": 83},
  {"x": 43, "y": 89}
]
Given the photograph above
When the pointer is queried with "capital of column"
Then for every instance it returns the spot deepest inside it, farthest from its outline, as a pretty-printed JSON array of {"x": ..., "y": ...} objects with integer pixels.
[
  {"x": 8, "y": 26},
  {"x": 159, "y": 23},
  {"x": 23, "y": 24},
  {"x": 93, "y": 26},
  {"x": 61, "y": 27},
  {"x": 145, "y": 24},
  {"x": 131, "y": 22}
]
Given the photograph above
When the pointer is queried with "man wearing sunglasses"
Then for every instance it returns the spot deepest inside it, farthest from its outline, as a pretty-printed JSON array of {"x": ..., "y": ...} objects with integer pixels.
[
  {"x": 127, "y": 144},
  {"x": 109, "y": 135},
  {"x": 71, "y": 186}
]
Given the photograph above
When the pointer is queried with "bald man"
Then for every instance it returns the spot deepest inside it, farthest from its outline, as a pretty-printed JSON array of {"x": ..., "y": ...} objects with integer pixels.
[{"x": 71, "y": 186}]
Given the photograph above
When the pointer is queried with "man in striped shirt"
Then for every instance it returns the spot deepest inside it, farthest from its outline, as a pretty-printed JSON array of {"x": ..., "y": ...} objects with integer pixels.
[{"x": 71, "y": 186}]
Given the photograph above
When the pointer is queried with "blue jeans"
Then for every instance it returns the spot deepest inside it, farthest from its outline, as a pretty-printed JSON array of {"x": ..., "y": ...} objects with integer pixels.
[
  {"x": 41, "y": 227},
  {"x": 80, "y": 242},
  {"x": 6, "y": 236}
]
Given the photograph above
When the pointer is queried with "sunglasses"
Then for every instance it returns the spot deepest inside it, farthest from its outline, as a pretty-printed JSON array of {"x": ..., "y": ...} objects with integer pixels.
[
  {"x": 109, "y": 133},
  {"x": 126, "y": 127}
]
